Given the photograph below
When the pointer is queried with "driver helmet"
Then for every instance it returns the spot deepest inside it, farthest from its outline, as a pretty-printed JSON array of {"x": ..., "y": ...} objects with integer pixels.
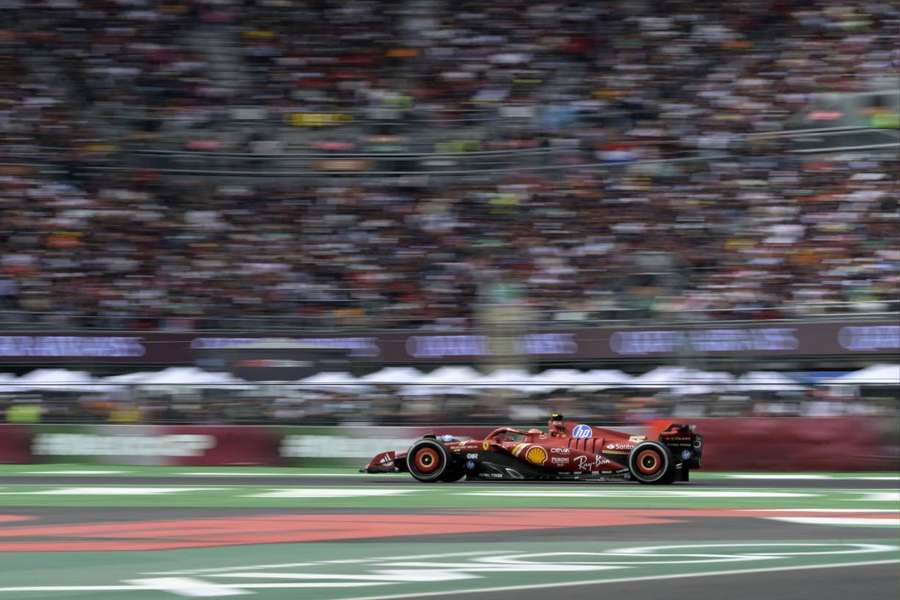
[{"x": 555, "y": 425}]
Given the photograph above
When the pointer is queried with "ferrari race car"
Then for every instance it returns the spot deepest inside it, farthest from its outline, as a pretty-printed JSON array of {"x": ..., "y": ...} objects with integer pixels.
[{"x": 568, "y": 450}]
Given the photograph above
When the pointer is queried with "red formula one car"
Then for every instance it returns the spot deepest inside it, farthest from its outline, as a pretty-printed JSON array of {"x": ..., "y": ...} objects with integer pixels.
[{"x": 568, "y": 450}]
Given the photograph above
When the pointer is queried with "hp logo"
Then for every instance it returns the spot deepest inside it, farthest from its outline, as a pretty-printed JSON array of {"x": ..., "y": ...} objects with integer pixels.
[{"x": 582, "y": 432}]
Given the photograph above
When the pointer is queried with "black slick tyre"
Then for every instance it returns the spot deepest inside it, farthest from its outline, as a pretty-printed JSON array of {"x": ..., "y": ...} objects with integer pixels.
[
  {"x": 651, "y": 462},
  {"x": 428, "y": 460}
]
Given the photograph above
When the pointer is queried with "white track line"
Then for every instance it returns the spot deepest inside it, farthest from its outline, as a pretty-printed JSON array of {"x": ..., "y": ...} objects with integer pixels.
[
  {"x": 72, "y": 588},
  {"x": 508, "y": 588},
  {"x": 817, "y": 510},
  {"x": 641, "y": 493},
  {"x": 513, "y": 588},
  {"x": 264, "y": 474},
  {"x": 315, "y": 492},
  {"x": 119, "y": 491},
  {"x": 185, "y": 586},
  {"x": 131, "y": 588},
  {"x": 342, "y": 561},
  {"x": 778, "y": 476},
  {"x": 74, "y": 472},
  {"x": 840, "y": 521}
]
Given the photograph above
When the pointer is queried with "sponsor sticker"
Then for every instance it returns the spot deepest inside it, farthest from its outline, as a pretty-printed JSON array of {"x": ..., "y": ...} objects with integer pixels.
[
  {"x": 66, "y": 345},
  {"x": 82, "y": 444},
  {"x": 472, "y": 456},
  {"x": 560, "y": 461},
  {"x": 870, "y": 337},
  {"x": 617, "y": 446},
  {"x": 536, "y": 455},
  {"x": 584, "y": 463},
  {"x": 582, "y": 432},
  {"x": 559, "y": 451},
  {"x": 331, "y": 446}
]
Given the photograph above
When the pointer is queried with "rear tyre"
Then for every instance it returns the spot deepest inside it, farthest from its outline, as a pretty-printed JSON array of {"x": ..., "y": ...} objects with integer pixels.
[
  {"x": 427, "y": 460},
  {"x": 651, "y": 462}
]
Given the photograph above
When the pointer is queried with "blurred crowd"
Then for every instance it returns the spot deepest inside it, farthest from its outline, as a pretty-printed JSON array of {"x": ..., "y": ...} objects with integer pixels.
[
  {"x": 736, "y": 238},
  {"x": 387, "y": 406},
  {"x": 756, "y": 234},
  {"x": 624, "y": 77}
]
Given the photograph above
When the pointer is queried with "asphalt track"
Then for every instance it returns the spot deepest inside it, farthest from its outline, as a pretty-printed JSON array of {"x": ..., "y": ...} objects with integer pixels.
[
  {"x": 313, "y": 535},
  {"x": 832, "y": 584},
  {"x": 778, "y": 481}
]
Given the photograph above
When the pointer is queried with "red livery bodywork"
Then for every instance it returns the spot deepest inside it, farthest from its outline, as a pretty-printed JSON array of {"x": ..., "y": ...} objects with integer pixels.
[{"x": 567, "y": 450}]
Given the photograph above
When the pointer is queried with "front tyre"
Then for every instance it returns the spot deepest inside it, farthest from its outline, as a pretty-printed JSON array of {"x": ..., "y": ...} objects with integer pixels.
[
  {"x": 651, "y": 462},
  {"x": 428, "y": 460}
]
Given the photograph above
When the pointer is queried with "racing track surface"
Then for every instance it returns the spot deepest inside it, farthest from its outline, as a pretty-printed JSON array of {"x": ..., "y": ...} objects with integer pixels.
[
  {"x": 73, "y": 532},
  {"x": 739, "y": 480}
]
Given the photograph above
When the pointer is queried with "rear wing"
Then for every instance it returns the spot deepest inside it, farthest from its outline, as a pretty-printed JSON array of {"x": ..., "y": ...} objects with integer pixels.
[{"x": 684, "y": 442}]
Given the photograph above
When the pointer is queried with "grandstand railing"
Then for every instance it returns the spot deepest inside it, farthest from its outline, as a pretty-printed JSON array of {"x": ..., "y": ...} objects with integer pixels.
[
  {"x": 544, "y": 160},
  {"x": 13, "y": 320}
]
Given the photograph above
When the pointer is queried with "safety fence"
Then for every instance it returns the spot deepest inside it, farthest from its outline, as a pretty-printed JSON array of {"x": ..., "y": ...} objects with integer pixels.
[
  {"x": 839, "y": 337},
  {"x": 812, "y": 311},
  {"x": 468, "y": 161},
  {"x": 770, "y": 444}
]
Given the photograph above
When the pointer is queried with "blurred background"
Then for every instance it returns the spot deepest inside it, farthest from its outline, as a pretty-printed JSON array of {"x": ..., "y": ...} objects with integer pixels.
[{"x": 424, "y": 211}]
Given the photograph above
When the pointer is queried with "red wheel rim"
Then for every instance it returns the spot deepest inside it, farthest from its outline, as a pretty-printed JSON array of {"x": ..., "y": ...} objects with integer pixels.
[
  {"x": 648, "y": 462},
  {"x": 427, "y": 460}
]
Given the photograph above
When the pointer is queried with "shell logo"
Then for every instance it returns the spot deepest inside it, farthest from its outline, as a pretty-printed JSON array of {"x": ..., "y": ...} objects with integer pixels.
[{"x": 536, "y": 455}]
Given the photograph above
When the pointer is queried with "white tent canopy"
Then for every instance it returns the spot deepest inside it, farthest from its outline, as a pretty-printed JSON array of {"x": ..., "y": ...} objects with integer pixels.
[
  {"x": 602, "y": 379},
  {"x": 451, "y": 376},
  {"x": 662, "y": 377},
  {"x": 704, "y": 382},
  {"x": 393, "y": 376},
  {"x": 455, "y": 380},
  {"x": 128, "y": 378},
  {"x": 767, "y": 381},
  {"x": 684, "y": 381},
  {"x": 60, "y": 380},
  {"x": 445, "y": 380},
  {"x": 190, "y": 376},
  {"x": 509, "y": 379},
  {"x": 338, "y": 381},
  {"x": 7, "y": 382},
  {"x": 554, "y": 379},
  {"x": 881, "y": 374}
]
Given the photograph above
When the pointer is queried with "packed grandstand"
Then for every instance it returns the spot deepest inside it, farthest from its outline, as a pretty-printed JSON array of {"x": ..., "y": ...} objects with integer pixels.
[
  {"x": 442, "y": 167},
  {"x": 749, "y": 238},
  {"x": 638, "y": 167}
]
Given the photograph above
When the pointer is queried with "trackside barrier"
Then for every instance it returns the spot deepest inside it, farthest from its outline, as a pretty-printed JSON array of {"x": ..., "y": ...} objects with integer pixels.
[
  {"x": 202, "y": 445},
  {"x": 766, "y": 443},
  {"x": 798, "y": 443}
]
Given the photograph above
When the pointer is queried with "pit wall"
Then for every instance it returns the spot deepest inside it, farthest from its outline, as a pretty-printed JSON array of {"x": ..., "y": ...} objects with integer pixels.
[{"x": 746, "y": 444}]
